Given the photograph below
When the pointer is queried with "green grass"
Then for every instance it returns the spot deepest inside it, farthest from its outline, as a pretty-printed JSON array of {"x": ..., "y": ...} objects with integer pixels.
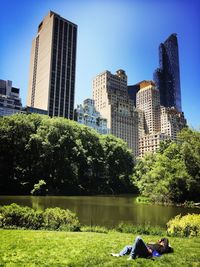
[{"x": 50, "y": 248}]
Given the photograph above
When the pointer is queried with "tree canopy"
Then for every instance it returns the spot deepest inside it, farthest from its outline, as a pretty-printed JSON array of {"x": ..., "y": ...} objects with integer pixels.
[
  {"x": 68, "y": 157},
  {"x": 173, "y": 173}
]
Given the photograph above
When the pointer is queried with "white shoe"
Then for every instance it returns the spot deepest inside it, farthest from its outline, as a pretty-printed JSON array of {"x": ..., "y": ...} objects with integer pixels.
[
  {"x": 129, "y": 259},
  {"x": 115, "y": 254}
]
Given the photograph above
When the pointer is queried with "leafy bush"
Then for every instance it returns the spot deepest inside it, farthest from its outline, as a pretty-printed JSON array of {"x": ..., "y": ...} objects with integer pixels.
[
  {"x": 141, "y": 229},
  {"x": 188, "y": 225},
  {"x": 60, "y": 219},
  {"x": 15, "y": 216},
  {"x": 95, "y": 228}
]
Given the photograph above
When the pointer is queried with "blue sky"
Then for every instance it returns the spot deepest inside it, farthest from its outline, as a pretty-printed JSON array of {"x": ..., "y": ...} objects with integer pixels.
[{"x": 112, "y": 34}]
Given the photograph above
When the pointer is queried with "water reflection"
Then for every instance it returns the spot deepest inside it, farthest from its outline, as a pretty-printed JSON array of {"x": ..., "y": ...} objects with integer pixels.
[{"x": 103, "y": 210}]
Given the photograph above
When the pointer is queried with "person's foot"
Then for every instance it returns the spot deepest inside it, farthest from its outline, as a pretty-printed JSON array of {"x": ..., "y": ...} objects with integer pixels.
[
  {"x": 129, "y": 259},
  {"x": 115, "y": 254}
]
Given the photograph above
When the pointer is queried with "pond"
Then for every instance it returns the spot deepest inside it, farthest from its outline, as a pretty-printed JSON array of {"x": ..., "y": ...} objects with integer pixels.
[{"x": 106, "y": 211}]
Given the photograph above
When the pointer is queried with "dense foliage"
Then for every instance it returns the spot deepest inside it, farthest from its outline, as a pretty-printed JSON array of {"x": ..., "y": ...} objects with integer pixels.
[
  {"x": 188, "y": 225},
  {"x": 42, "y": 155},
  {"x": 173, "y": 173},
  {"x": 15, "y": 216}
]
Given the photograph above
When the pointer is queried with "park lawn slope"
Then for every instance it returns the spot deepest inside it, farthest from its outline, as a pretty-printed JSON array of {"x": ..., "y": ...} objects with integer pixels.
[{"x": 50, "y": 248}]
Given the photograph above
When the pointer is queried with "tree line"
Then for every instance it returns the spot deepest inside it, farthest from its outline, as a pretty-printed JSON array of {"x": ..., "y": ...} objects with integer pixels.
[
  {"x": 44, "y": 155},
  {"x": 56, "y": 156}
]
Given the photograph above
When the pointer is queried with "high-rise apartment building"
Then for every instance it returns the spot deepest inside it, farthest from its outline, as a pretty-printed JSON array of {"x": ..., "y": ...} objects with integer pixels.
[
  {"x": 148, "y": 101},
  {"x": 148, "y": 106},
  {"x": 88, "y": 115},
  {"x": 167, "y": 76},
  {"x": 10, "y": 101},
  {"x": 52, "y": 67},
  {"x": 113, "y": 102}
]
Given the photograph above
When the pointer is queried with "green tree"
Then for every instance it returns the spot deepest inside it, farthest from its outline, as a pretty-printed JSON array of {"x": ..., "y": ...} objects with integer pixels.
[
  {"x": 172, "y": 174},
  {"x": 15, "y": 132},
  {"x": 119, "y": 165},
  {"x": 190, "y": 150}
]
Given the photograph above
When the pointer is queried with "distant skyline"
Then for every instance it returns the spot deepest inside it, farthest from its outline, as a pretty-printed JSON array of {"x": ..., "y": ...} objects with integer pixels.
[{"x": 111, "y": 35}]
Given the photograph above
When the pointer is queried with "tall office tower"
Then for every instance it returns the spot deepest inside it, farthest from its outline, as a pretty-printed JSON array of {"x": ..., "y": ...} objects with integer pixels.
[
  {"x": 167, "y": 76},
  {"x": 148, "y": 101},
  {"x": 113, "y": 102},
  {"x": 52, "y": 68},
  {"x": 10, "y": 102}
]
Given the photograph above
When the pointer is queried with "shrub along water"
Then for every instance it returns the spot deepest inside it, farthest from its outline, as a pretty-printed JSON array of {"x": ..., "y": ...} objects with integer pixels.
[
  {"x": 188, "y": 225},
  {"x": 15, "y": 216}
]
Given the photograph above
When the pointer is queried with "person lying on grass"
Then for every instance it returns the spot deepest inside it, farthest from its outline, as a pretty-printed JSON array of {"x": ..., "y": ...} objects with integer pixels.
[{"x": 142, "y": 250}]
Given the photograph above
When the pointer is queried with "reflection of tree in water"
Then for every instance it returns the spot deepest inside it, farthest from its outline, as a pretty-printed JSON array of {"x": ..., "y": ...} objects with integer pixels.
[{"x": 37, "y": 203}]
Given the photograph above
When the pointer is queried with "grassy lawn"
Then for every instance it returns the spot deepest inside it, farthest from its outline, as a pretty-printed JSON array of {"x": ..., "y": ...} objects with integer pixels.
[{"x": 45, "y": 248}]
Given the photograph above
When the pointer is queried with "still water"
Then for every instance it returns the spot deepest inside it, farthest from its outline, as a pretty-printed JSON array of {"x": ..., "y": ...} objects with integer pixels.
[{"x": 104, "y": 210}]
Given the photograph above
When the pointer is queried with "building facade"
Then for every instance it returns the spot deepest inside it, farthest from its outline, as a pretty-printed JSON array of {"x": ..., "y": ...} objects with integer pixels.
[
  {"x": 167, "y": 76},
  {"x": 29, "y": 110},
  {"x": 172, "y": 122},
  {"x": 88, "y": 115},
  {"x": 113, "y": 102},
  {"x": 150, "y": 143},
  {"x": 52, "y": 67},
  {"x": 10, "y": 101}
]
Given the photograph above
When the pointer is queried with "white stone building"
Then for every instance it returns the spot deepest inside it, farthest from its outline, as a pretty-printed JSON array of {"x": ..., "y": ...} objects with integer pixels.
[{"x": 86, "y": 114}]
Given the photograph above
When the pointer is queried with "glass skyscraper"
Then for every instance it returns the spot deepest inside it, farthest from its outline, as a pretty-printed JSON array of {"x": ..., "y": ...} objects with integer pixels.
[{"x": 167, "y": 76}]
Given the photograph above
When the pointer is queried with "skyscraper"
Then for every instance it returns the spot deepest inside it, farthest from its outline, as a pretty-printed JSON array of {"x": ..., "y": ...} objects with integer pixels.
[
  {"x": 167, "y": 76},
  {"x": 148, "y": 107},
  {"x": 112, "y": 100},
  {"x": 148, "y": 101},
  {"x": 52, "y": 67}
]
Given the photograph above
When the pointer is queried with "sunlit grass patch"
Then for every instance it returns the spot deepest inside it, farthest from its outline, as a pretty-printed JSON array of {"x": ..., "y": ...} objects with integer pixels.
[{"x": 51, "y": 248}]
